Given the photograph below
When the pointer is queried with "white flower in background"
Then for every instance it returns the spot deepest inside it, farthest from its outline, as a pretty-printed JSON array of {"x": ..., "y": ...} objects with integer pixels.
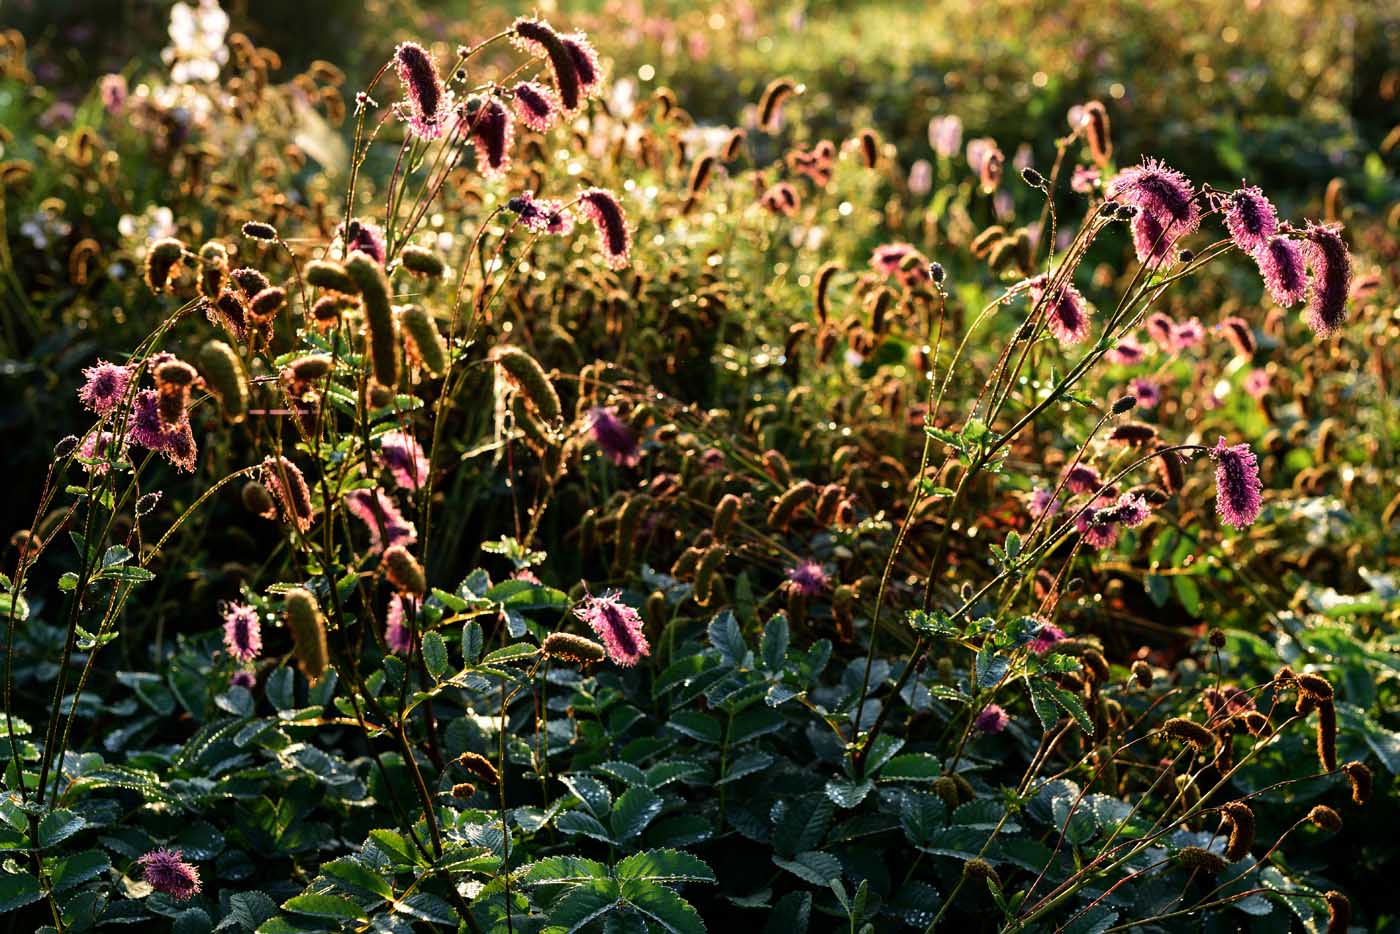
[
  {"x": 197, "y": 49},
  {"x": 140, "y": 230},
  {"x": 44, "y": 227}
]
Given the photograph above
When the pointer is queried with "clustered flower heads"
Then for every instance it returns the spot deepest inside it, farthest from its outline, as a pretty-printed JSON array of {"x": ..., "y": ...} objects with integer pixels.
[{"x": 1167, "y": 209}]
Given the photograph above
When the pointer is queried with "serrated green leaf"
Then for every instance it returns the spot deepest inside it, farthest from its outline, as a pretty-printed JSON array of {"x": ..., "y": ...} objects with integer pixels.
[
  {"x": 325, "y": 906},
  {"x": 58, "y": 825},
  {"x": 435, "y": 655},
  {"x": 665, "y": 908},
  {"x": 664, "y": 866},
  {"x": 360, "y": 879},
  {"x": 633, "y": 811}
]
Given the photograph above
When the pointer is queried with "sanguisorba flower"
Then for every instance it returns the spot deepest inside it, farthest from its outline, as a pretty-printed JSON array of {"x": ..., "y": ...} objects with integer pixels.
[
  {"x": 242, "y": 632},
  {"x": 992, "y": 719},
  {"x": 1097, "y": 524},
  {"x": 1237, "y": 485},
  {"x": 401, "y": 453},
  {"x": 1067, "y": 314},
  {"x": 542, "y": 215},
  {"x": 146, "y": 428},
  {"x": 1146, "y": 392},
  {"x": 398, "y": 635},
  {"x": 1251, "y": 219},
  {"x": 1043, "y": 502},
  {"x": 536, "y": 105},
  {"x": 590, "y": 74},
  {"x": 492, "y": 133},
  {"x": 98, "y": 449},
  {"x": 613, "y": 437},
  {"x": 1082, "y": 478},
  {"x": 536, "y": 37},
  {"x": 945, "y": 135},
  {"x": 168, "y": 873},
  {"x": 807, "y": 578},
  {"x": 1166, "y": 207},
  {"x": 1045, "y": 637},
  {"x": 104, "y": 387},
  {"x": 1282, "y": 266},
  {"x": 287, "y": 483},
  {"x": 426, "y": 104},
  {"x": 380, "y": 514},
  {"x": 1127, "y": 352},
  {"x": 1330, "y": 265},
  {"x": 602, "y": 208},
  {"x": 365, "y": 237},
  {"x": 618, "y": 625},
  {"x": 1188, "y": 333}
]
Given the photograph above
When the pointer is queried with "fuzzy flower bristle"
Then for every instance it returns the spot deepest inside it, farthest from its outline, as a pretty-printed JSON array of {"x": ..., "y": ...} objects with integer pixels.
[
  {"x": 618, "y": 625},
  {"x": 492, "y": 133},
  {"x": 536, "y": 106},
  {"x": 604, "y": 211},
  {"x": 1082, "y": 478},
  {"x": 1067, "y": 314},
  {"x": 380, "y": 514},
  {"x": 146, "y": 427},
  {"x": 401, "y": 453},
  {"x": 1045, "y": 637},
  {"x": 542, "y": 215},
  {"x": 1166, "y": 206},
  {"x": 1238, "y": 487},
  {"x": 585, "y": 59},
  {"x": 613, "y": 437},
  {"x": 1251, "y": 219},
  {"x": 104, "y": 387},
  {"x": 398, "y": 634},
  {"x": 286, "y": 482},
  {"x": 426, "y": 99},
  {"x": 1330, "y": 264},
  {"x": 536, "y": 37},
  {"x": 365, "y": 237},
  {"x": 168, "y": 873},
  {"x": 1097, "y": 523},
  {"x": 1282, "y": 265},
  {"x": 242, "y": 632},
  {"x": 991, "y": 720}
]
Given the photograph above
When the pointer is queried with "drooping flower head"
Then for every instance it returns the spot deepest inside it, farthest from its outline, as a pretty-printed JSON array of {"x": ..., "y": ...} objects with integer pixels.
[
  {"x": 1251, "y": 219},
  {"x": 492, "y": 133},
  {"x": 1082, "y": 478},
  {"x": 1067, "y": 314},
  {"x": 242, "y": 632},
  {"x": 536, "y": 106},
  {"x": 1257, "y": 383},
  {"x": 380, "y": 514},
  {"x": 781, "y": 198},
  {"x": 1241, "y": 337},
  {"x": 542, "y": 215},
  {"x": 536, "y": 37},
  {"x": 287, "y": 484},
  {"x": 169, "y": 874},
  {"x": 1282, "y": 266},
  {"x": 613, "y": 437},
  {"x": 1162, "y": 329},
  {"x": 1046, "y": 635},
  {"x": 104, "y": 387},
  {"x": 618, "y": 625},
  {"x": 601, "y": 207},
  {"x": 426, "y": 99},
  {"x": 1097, "y": 523},
  {"x": 146, "y": 428},
  {"x": 1330, "y": 265},
  {"x": 807, "y": 578},
  {"x": 401, "y": 453},
  {"x": 1188, "y": 333},
  {"x": 590, "y": 74},
  {"x": 1166, "y": 206},
  {"x": 1130, "y": 511},
  {"x": 991, "y": 719},
  {"x": 1237, "y": 485}
]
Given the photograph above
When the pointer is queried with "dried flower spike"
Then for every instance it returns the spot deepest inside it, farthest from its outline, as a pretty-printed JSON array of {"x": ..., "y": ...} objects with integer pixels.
[{"x": 308, "y": 628}]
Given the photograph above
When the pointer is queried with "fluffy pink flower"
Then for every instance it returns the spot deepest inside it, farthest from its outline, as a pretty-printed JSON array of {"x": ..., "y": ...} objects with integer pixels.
[
  {"x": 1166, "y": 203},
  {"x": 1188, "y": 333},
  {"x": 1330, "y": 264},
  {"x": 590, "y": 74},
  {"x": 1282, "y": 265},
  {"x": 1162, "y": 329},
  {"x": 536, "y": 105},
  {"x": 243, "y": 678},
  {"x": 945, "y": 135},
  {"x": 1082, "y": 478},
  {"x": 1127, "y": 353},
  {"x": 242, "y": 632},
  {"x": 397, "y": 633},
  {"x": 1067, "y": 313},
  {"x": 601, "y": 207},
  {"x": 1045, "y": 637},
  {"x": 426, "y": 103},
  {"x": 1251, "y": 219},
  {"x": 613, "y": 437},
  {"x": 1237, "y": 484},
  {"x": 97, "y": 446},
  {"x": 168, "y": 873},
  {"x": 366, "y": 238},
  {"x": 380, "y": 514},
  {"x": 1043, "y": 503},
  {"x": 1096, "y": 523},
  {"x": 1146, "y": 392},
  {"x": 541, "y": 215},
  {"x": 991, "y": 719},
  {"x": 401, "y": 453},
  {"x": 173, "y": 442},
  {"x": 1257, "y": 383},
  {"x": 492, "y": 133},
  {"x": 104, "y": 387},
  {"x": 807, "y": 578},
  {"x": 618, "y": 625}
]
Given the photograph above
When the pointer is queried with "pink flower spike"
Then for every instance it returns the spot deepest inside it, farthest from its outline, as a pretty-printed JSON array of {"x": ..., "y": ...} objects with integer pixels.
[
  {"x": 1237, "y": 485},
  {"x": 168, "y": 873},
  {"x": 104, "y": 387},
  {"x": 618, "y": 625},
  {"x": 991, "y": 720},
  {"x": 242, "y": 632}
]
